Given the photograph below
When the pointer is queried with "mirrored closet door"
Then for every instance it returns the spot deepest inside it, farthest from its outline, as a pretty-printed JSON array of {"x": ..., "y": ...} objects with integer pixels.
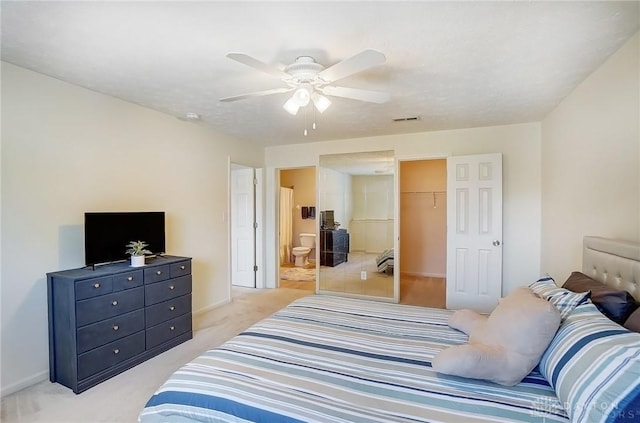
[{"x": 357, "y": 220}]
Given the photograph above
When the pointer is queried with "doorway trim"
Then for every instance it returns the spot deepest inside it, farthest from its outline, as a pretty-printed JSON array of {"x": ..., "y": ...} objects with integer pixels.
[
  {"x": 399, "y": 159},
  {"x": 276, "y": 211}
]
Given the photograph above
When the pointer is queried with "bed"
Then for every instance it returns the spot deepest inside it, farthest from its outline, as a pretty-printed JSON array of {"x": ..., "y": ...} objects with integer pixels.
[
  {"x": 334, "y": 359},
  {"x": 385, "y": 261}
]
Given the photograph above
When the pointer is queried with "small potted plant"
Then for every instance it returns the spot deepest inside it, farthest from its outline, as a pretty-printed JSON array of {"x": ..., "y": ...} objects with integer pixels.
[{"x": 137, "y": 250}]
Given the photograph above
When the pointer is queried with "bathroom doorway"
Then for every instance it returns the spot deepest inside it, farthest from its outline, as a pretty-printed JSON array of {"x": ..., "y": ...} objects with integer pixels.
[
  {"x": 423, "y": 232},
  {"x": 297, "y": 225}
]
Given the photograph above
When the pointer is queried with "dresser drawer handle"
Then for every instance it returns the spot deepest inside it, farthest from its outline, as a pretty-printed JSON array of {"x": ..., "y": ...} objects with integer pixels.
[
  {"x": 130, "y": 278},
  {"x": 182, "y": 267},
  {"x": 172, "y": 328},
  {"x": 116, "y": 327},
  {"x": 96, "y": 285},
  {"x": 159, "y": 272},
  {"x": 114, "y": 303},
  {"x": 116, "y": 351},
  {"x": 171, "y": 287},
  {"x": 172, "y": 308}
]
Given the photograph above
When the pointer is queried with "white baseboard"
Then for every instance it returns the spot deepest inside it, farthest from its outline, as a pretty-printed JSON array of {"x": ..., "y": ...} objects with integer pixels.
[
  {"x": 199, "y": 312},
  {"x": 44, "y": 375},
  {"x": 25, "y": 383},
  {"x": 210, "y": 307}
]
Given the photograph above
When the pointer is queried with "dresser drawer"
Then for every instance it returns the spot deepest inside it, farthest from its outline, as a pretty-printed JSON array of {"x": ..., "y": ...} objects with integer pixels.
[
  {"x": 97, "y": 334},
  {"x": 108, "y": 355},
  {"x": 167, "y": 310},
  {"x": 166, "y": 290},
  {"x": 110, "y": 305},
  {"x": 181, "y": 269},
  {"x": 165, "y": 331},
  {"x": 93, "y": 287},
  {"x": 127, "y": 280},
  {"x": 157, "y": 273}
]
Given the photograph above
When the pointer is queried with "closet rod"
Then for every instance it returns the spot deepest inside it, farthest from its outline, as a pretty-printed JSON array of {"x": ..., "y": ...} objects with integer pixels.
[{"x": 423, "y": 192}]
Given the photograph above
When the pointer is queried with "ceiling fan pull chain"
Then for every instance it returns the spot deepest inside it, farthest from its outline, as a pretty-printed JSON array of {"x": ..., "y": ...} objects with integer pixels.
[
  {"x": 305, "y": 121},
  {"x": 313, "y": 126},
  {"x": 310, "y": 81}
]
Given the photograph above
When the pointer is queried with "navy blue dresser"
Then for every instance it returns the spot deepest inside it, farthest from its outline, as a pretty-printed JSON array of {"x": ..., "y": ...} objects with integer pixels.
[
  {"x": 334, "y": 247},
  {"x": 106, "y": 320}
]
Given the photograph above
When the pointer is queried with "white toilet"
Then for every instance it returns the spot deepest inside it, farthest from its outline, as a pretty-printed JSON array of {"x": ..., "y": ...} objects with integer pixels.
[{"x": 307, "y": 242}]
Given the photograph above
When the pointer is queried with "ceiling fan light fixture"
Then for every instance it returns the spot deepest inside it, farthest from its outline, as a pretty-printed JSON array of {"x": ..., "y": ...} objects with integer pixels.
[
  {"x": 309, "y": 80},
  {"x": 302, "y": 95},
  {"x": 321, "y": 102},
  {"x": 291, "y": 106}
]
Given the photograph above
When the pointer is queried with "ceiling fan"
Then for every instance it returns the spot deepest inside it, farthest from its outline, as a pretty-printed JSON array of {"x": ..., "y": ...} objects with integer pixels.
[{"x": 311, "y": 81}]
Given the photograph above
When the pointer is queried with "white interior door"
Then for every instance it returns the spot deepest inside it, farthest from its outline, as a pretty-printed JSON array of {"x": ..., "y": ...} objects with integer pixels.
[
  {"x": 474, "y": 231},
  {"x": 243, "y": 246}
]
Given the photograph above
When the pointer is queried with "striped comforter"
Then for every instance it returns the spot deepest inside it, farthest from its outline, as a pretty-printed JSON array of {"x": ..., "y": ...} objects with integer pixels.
[
  {"x": 384, "y": 260},
  {"x": 332, "y": 359}
]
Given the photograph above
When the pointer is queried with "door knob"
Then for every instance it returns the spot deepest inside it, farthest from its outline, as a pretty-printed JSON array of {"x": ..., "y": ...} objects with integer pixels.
[{"x": 496, "y": 243}]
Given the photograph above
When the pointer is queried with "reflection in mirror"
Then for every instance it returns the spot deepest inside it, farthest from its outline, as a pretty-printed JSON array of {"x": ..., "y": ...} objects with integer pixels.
[
  {"x": 357, "y": 224},
  {"x": 297, "y": 228}
]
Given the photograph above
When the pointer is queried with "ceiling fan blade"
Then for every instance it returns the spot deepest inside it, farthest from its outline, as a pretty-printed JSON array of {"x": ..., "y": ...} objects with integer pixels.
[
  {"x": 364, "y": 60},
  {"x": 257, "y": 94},
  {"x": 257, "y": 64},
  {"x": 357, "y": 94}
]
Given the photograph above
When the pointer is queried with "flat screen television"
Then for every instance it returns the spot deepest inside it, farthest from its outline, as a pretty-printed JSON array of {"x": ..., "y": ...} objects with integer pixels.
[
  {"x": 106, "y": 234},
  {"x": 327, "y": 219}
]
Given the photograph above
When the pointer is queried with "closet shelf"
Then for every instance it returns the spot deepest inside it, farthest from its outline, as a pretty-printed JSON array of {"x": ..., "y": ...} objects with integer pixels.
[{"x": 423, "y": 192}]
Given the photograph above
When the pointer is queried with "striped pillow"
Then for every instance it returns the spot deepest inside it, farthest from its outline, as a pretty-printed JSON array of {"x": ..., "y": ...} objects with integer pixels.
[
  {"x": 593, "y": 364},
  {"x": 564, "y": 300}
]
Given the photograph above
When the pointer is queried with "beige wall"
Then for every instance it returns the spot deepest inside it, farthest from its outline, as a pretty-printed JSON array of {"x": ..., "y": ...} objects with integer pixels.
[
  {"x": 591, "y": 163},
  {"x": 520, "y": 148},
  {"x": 423, "y": 217},
  {"x": 372, "y": 222},
  {"x": 334, "y": 193},
  {"x": 577, "y": 173},
  {"x": 304, "y": 194},
  {"x": 67, "y": 150}
]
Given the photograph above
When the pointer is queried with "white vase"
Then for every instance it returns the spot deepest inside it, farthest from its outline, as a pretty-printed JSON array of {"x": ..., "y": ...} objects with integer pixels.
[{"x": 137, "y": 261}]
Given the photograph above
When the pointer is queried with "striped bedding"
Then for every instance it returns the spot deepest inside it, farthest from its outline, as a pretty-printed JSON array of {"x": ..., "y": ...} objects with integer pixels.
[
  {"x": 333, "y": 359},
  {"x": 384, "y": 260},
  {"x": 594, "y": 365}
]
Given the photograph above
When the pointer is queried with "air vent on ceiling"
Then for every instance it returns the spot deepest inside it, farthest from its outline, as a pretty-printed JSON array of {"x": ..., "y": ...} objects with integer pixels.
[
  {"x": 189, "y": 116},
  {"x": 406, "y": 119}
]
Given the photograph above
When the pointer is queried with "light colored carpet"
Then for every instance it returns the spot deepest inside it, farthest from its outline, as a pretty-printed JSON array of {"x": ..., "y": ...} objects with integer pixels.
[
  {"x": 121, "y": 398},
  {"x": 297, "y": 274}
]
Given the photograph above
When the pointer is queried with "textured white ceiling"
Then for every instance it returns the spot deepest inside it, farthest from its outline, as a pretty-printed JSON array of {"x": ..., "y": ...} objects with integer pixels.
[{"x": 454, "y": 64}]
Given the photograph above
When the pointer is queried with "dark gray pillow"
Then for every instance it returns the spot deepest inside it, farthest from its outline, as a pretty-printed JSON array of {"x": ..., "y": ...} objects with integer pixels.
[
  {"x": 617, "y": 305},
  {"x": 633, "y": 322}
]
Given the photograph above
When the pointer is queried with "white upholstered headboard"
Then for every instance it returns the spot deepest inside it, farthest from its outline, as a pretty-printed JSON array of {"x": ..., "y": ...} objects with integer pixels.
[{"x": 613, "y": 262}]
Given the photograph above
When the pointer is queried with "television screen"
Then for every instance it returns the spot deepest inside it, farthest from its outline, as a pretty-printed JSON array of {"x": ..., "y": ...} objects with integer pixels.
[
  {"x": 106, "y": 234},
  {"x": 327, "y": 219}
]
